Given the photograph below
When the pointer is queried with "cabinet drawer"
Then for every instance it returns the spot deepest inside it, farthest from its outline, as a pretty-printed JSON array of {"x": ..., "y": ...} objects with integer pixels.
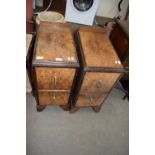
[
  {"x": 57, "y": 98},
  {"x": 98, "y": 82},
  {"x": 90, "y": 99},
  {"x": 54, "y": 78}
]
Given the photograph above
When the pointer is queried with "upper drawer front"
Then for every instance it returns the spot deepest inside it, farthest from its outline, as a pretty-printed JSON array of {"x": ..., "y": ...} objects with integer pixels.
[
  {"x": 90, "y": 99},
  {"x": 54, "y": 78},
  {"x": 98, "y": 82},
  {"x": 57, "y": 98}
]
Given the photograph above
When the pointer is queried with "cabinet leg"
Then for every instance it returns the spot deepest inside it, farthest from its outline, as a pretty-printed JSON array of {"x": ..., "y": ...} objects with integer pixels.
[
  {"x": 96, "y": 108},
  {"x": 40, "y": 107},
  {"x": 65, "y": 107},
  {"x": 74, "y": 109}
]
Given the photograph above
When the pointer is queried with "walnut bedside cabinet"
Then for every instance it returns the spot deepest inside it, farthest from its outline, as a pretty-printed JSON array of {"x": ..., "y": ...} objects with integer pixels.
[
  {"x": 100, "y": 68},
  {"x": 55, "y": 64}
]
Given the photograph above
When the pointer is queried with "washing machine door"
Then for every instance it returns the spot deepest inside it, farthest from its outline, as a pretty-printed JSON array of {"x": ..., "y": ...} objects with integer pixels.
[{"x": 83, "y": 5}]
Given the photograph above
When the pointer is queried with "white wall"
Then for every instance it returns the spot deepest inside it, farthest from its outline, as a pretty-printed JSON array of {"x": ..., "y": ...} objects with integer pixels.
[{"x": 108, "y": 8}]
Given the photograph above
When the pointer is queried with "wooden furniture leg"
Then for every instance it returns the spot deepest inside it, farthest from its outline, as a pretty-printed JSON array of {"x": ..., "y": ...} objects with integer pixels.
[
  {"x": 126, "y": 96},
  {"x": 74, "y": 109},
  {"x": 96, "y": 108},
  {"x": 65, "y": 107},
  {"x": 40, "y": 107}
]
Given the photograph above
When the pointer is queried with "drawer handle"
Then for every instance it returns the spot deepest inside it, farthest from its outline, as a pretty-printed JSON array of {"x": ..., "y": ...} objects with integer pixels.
[
  {"x": 98, "y": 84},
  {"x": 55, "y": 80},
  {"x": 54, "y": 98},
  {"x": 91, "y": 100}
]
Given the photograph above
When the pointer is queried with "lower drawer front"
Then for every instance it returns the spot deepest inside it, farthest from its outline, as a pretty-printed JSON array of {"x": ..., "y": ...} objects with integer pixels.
[
  {"x": 53, "y": 98},
  {"x": 90, "y": 100}
]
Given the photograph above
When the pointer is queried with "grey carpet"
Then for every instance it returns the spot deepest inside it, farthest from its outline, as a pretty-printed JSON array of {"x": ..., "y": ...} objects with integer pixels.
[{"x": 56, "y": 132}]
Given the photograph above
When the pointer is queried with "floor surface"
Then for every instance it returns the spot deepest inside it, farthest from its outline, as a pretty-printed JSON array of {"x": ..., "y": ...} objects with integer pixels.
[{"x": 56, "y": 132}]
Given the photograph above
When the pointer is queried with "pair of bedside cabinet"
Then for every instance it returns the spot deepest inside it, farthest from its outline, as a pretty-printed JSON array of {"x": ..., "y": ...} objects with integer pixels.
[{"x": 73, "y": 71}]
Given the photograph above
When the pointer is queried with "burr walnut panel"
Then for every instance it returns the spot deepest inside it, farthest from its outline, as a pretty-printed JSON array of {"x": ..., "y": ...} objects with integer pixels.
[
  {"x": 55, "y": 43},
  {"x": 54, "y": 78},
  {"x": 55, "y": 64},
  {"x": 101, "y": 68},
  {"x": 97, "y": 49},
  {"x": 53, "y": 98},
  {"x": 98, "y": 82},
  {"x": 87, "y": 99}
]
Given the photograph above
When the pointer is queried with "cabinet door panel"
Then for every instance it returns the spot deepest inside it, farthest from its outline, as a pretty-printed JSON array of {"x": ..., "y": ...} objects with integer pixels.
[{"x": 54, "y": 78}]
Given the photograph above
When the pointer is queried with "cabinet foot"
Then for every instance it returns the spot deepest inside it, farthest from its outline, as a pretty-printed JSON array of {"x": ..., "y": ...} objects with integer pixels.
[
  {"x": 65, "y": 107},
  {"x": 74, "y": 109},
  {"x": 40, "y": 108},
  {"x": 96, "y": 108}
]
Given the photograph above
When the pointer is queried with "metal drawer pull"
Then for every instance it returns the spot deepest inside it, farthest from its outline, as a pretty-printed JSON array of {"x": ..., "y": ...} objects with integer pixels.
[
  {"x": 55, "y": 80},
  {"x": 91, "y": 100},
  {"x": 98, "y": 84}
]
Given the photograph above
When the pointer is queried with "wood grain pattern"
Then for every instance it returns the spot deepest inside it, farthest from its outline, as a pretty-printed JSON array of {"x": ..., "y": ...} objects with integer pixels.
[
  {"x": 55, "y": 43},
  {"x": 54, "y": 78},
  {"x": 53, "y": 98},
  {"x": 55, "y": 64},
  {"x": 97, "y": 49},
  {"x": 101, "y": 68},
  {"x": 98, "y": 82},
  {"x": 90, "y": 100},
  {"x": 40, "y": 107}
]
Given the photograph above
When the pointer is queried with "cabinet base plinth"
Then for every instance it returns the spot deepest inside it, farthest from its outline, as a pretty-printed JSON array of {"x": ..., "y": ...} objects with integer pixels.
[
  {"x": 40, "y": 107},
  {"x": 65, "y": 107},
  {"x": 96, "y": 108}
]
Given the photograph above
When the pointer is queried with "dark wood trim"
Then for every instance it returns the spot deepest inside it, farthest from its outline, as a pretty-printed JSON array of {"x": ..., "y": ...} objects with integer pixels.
[
  {"x": 79, "y": 73},
  {"x": 96, "y": 108},
  {"x": 74, "y": 109},
  {"x": 72, "y": 93},
  {"x": 55, "y": 64},
  {"x": 78, "y": 87},
  {"x": 65, "y": 107},
  {"x": 31, "y": 46},
  {"x": 40, "y": 107},
  {"x": 29, "y": 61},
  {"x": 35, "y": 45},
  {"x": 95, "y": 28},
  {"x": 54, "y": 90},
  {"x": 80, "y": 50},
  {"x": 104, "y": 69},
  {"x": 35, "y": 85}
]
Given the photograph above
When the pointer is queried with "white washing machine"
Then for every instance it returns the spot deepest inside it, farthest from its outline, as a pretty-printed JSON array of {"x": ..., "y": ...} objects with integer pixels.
[{"x": 81, "y": 11}]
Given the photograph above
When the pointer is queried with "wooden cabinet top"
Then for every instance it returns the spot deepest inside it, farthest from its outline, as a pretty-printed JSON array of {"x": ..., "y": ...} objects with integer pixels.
[
  {"x": 97, "y": 49},
  {"x": 55, "y": 44}
]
